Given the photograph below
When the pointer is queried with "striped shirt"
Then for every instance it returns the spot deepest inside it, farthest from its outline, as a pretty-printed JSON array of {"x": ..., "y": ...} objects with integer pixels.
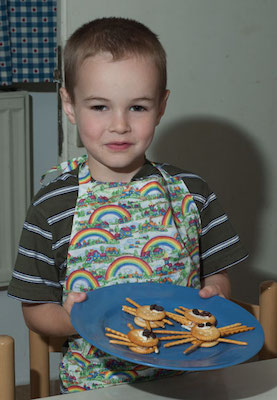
[{"x": 41, "y": 261}]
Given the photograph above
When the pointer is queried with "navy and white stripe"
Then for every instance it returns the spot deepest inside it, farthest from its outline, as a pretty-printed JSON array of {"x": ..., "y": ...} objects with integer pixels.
[
  {"x": 208, "y": 201},
  {"x": 56, "y": 192},
  {"x": 61, "y": 242},
  {"x": 36, "y": 255},
  {"x": 35, "y": 279},
  {"x": 59, "y": 217},
  {"x": 198, "y": 197},
  {"x": 213, "y": 223},
  {"x": 219, "y": 247},
  {"x": 37, "y": 230}
]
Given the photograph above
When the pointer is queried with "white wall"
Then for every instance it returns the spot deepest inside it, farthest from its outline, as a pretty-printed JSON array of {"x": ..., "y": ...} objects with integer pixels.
[
  {"x": 221, "y": 116},
  {"x": 45, "y": 155}
]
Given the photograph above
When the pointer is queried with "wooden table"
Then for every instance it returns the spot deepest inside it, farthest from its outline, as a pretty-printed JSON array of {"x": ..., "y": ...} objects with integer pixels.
[{"x": 253, "y": 380}]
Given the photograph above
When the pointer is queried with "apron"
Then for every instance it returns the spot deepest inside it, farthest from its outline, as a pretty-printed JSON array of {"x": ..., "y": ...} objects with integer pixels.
[{"x": 143, "y": 230}]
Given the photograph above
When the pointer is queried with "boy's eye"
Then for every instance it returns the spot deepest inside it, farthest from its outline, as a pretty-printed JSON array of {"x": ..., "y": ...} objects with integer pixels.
[
  {"x": 138, "y": 108},
  {"x": 99, "y": 108}
]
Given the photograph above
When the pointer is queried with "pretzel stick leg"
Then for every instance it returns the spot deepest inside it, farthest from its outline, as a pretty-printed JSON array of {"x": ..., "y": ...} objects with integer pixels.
[
  {"x": 116, "y": 332},
  {"x": 231, "y": 341},
  {"x": 179, "y": 311},
  {"x": 158, "y": 323},
  {"x": 117, "y": 337},
  {"x": 173, "y": 337},
  {"x": 148, "y": 326},
  {"x": 156, "y": 349},
  {"x": 129, "y": 310},
  {"x": 192, "y": 348},
  {"x": 229, "y": 326},
  {"x": 166, "y": 321},
  {"x": 132, "y": 302},
  {"x": 183, "y": 308},
  {"x": 177, "y": 342}
]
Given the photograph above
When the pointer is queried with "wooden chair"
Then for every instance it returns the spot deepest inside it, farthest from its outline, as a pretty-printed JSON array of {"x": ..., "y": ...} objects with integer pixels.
[
  {"x": 266, "y": 314},
  {"x": 40, "y": 347},
  {"x": 7, "y": 371}
]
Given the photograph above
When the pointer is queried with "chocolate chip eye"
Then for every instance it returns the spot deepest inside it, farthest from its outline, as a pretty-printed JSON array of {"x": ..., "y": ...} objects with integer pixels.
[
  {"x": 146, "y": 333},
  {"x": 208, "y": 324},
  {"x": 155, "y": 307},
  {"x": 195, "y": 311},
  {"x": 206, "y": 314},
  {"x": 201, "y": 325}
]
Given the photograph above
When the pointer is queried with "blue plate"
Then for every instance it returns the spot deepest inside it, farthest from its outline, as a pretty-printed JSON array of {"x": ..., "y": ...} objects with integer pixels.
[{"x": 103, "y": 308}]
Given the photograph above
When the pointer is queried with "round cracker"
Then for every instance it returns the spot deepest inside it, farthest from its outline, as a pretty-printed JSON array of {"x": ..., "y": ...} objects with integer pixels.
[
  {"x": 136, "y": 336},
  {"x": 206, "y": 333},
  {"x": 146, "y": 313},
  {"x": 142, "y": 350}
]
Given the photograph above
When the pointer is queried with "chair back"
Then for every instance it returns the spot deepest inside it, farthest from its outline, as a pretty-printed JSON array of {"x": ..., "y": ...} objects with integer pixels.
[{"x": 7, "y": 371}]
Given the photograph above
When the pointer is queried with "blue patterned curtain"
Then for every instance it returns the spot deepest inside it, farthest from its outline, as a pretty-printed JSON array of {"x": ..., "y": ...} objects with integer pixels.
[{"x": 27, "y": 41}]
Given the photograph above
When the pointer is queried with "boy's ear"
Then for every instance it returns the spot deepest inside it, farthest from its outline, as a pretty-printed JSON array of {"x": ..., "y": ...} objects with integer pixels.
[
  {"x": 163, "y": 106},
  {"x": 67, "y": 105}
]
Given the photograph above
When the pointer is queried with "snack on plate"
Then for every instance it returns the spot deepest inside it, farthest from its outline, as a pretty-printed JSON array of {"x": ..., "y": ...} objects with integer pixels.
[
  {"x": 140, "y": 341},
  {"x": 190, "y": 317},
  {"x": 147, "y": 316},
  {"x": 202, "y": 331},
  {"x": 204, "y": 335}
]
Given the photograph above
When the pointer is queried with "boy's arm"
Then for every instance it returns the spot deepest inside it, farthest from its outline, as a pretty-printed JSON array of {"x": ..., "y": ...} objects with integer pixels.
[
  {"x": 216, "y": 284},
  {"x": 52, "y": 319}
]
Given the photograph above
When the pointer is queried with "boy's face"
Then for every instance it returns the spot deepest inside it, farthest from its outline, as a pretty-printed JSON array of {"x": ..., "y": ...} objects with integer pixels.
[{"x": 117, "y": 107}]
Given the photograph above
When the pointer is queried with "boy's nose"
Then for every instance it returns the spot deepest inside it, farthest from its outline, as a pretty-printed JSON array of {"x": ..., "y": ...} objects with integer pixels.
[{"x": 120, "y": 123}]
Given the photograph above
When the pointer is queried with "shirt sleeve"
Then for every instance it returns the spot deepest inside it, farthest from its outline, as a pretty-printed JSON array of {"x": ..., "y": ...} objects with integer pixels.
[
  {"x": 220, "y": 245},
  {"x": 36, "y": 277}
]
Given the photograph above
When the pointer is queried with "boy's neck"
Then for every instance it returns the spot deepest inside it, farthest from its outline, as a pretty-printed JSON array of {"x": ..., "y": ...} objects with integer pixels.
[{"x": 102, "y": 173}]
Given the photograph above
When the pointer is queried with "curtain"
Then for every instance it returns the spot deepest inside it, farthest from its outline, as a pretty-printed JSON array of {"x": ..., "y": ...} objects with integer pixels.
[{"x": 28, "y": 41}]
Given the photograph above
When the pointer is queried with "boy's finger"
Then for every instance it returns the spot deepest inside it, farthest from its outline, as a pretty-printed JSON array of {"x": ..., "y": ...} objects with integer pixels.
[
  {"x": 73, "y": 297},
  {"x": 209, "y": 291}
]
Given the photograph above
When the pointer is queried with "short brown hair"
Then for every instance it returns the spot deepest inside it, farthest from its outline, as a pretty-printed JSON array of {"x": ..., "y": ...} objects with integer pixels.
[{"x": 120, "y": 37}]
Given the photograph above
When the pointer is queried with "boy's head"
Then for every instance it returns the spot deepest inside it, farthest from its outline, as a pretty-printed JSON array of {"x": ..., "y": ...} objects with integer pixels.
[{"x": 121, "y": 38}]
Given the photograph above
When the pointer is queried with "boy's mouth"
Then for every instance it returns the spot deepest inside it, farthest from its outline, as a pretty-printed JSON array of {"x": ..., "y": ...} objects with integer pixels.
[{"x": 118, "y": 146}]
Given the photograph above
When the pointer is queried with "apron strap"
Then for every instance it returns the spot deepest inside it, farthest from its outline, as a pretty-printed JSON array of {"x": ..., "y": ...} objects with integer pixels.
[
  {"x": 167, "y": 177},
  {"x": 65, "y": 166}
]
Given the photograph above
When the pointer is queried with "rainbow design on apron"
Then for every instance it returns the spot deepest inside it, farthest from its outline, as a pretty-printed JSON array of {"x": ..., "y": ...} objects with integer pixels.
[
  {"x": 113, "y": 210},
  {"x": 92, "y": 233},
  {"x": 81, "y": 277},
  {"x": 128, "y": 261}
]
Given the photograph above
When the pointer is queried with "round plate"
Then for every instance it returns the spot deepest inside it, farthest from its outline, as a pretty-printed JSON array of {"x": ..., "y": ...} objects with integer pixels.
[{"x": 103, "y": 308}]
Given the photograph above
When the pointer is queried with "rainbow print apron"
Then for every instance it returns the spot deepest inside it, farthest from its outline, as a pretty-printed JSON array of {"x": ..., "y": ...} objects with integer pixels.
[{"x": 144, "y": 230}]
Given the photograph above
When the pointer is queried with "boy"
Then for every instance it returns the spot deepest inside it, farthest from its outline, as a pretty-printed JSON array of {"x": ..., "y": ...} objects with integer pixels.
[{"x": 114, "y": 203}]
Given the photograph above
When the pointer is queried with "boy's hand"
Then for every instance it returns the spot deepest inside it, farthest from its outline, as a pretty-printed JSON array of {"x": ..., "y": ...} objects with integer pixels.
[
  {"x": 217, "y": 284},
  {"x": 73, "y": 297},
  {"x": 211, "y": 290}
]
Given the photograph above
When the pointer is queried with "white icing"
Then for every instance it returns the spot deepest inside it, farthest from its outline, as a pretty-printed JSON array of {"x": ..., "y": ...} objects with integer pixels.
[
  {"x": 188, "y": 327},
  {"x": 140, "y": 333}
]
